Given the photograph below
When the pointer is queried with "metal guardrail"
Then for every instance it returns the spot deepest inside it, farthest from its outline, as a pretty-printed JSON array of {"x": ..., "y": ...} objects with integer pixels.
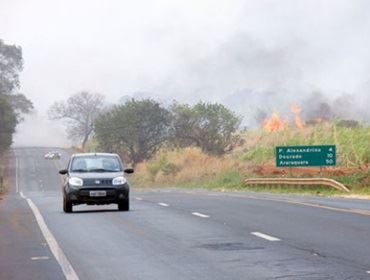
[{"x": 297, "y": 181}]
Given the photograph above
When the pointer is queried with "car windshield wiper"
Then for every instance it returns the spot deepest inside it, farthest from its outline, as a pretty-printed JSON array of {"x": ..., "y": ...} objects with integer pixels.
[
  {"x": 79, "y": 170},
  {"x": 102, "y": 170}
]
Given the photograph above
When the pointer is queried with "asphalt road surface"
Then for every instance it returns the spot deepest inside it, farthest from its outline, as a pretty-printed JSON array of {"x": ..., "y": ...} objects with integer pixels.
[{"x": 176, "y": 234}]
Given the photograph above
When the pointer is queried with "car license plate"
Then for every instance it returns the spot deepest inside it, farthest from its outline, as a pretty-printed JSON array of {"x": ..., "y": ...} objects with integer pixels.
[{"x": 98, "y": 193}]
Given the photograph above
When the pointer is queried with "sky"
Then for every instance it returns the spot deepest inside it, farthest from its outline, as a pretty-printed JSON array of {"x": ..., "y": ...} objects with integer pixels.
[{"x": 244, "y": 54}]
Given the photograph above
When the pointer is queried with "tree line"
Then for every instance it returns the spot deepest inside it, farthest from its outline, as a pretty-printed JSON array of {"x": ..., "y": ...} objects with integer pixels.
[
  {"x": 139, "y": 128},
  {"x": 135, "y": 128},
  {"x": 12, "y": 103}
]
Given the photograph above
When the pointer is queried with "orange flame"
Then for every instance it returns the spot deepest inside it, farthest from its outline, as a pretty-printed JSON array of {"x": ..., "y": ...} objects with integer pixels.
[
  {"x": 296, "y": 110},
  {"x": 275, "y": 123}
]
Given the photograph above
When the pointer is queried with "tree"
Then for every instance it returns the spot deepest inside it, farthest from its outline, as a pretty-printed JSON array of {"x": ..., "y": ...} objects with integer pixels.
[
  {"x": 8, "y": 122},
  {"x": 80, "y": 112},
  {"x": 11, "y": 63},
  {"x": 136, "y": 128},
  {"x": 20, "y": 104},
  {"x": 208, "y": 126},
  {"x": 12, "y": 103}
]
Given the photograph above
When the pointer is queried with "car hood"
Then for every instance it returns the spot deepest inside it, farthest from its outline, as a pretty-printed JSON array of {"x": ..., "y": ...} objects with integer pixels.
[{"x": 96, "y": 175}]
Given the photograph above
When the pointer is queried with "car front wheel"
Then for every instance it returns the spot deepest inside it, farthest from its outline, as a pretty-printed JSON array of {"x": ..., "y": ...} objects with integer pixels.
[
  {"x": 124, "y": 205},
  {"x": 67, "y": 205}
]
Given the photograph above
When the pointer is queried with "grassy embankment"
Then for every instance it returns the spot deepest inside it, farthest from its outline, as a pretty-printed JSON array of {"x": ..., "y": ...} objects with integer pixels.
[
  {"x": 3, "y": 173},
  {"x": 1, "y": 176},
  {"x": 255, "y": 158}
]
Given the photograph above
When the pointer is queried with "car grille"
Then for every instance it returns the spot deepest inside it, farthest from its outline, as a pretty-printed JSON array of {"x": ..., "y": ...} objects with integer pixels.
[{"x": 97, "y": 182}]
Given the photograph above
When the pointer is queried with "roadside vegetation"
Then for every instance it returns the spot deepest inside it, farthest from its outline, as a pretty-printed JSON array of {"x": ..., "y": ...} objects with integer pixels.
[
  {"x": 2, "y": 166},
  {"x": 203, "y": 146},
  {"x": 79, "y": 112},
  {"x": 254, "y": 157},
  {"x": 4, "y": 173},
  {"x": 13, "y": 104}
]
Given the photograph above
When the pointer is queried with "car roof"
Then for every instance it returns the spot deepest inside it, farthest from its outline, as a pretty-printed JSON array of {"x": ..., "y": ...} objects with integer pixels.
[{"x": 94, "y": 154}]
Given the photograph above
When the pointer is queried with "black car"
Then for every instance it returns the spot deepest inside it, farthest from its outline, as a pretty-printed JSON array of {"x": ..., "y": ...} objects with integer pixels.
[{"x": 95, "y": 179}]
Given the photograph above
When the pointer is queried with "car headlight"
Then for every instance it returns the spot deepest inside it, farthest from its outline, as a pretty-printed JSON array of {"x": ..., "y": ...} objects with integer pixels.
[
  {"x": 119, "y": 181},
  {"x": 74, "y": 181}
]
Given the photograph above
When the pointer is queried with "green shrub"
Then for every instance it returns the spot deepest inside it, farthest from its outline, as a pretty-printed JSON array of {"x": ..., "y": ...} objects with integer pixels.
[
  {"x": 162, "y": 164},
  {"x": 259, "y": 154},
  {"x": 227, "y": 179}
]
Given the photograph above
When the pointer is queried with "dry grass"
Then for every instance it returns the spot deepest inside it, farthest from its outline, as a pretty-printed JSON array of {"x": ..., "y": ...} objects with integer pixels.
[
  {"x": 183, "y": 166},
  {"x": 191, "y": 167},
  {"x": 4, "y": 174}
]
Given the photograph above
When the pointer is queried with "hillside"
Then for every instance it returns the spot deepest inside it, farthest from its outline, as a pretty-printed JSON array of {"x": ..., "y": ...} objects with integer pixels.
[{"x": 254, "y": 157}]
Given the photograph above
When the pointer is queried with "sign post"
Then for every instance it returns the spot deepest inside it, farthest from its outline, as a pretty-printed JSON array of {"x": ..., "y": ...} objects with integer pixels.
[{"x": 301, "y": 156}]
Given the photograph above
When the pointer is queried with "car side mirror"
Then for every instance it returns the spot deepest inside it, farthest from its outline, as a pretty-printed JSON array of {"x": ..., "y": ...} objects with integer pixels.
[
  {"x": 128, "y": 170},
  {"x": 63, "y": 171}
]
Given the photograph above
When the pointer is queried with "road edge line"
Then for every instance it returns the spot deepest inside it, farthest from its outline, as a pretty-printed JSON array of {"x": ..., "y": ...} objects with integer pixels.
[
  {"x": 16, "y": 174},
  {"x": 58, "y": 253}
]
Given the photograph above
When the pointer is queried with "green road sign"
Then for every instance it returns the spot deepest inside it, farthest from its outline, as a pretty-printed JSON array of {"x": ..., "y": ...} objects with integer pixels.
[{"x": 298, "y": 156}]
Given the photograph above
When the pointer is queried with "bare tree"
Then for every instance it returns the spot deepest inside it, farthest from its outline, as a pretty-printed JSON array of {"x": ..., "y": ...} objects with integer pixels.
[{"x": 80, "y": 112}]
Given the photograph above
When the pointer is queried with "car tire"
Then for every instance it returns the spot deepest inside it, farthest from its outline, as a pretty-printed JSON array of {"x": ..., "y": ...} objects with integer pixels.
[
  {"x": 67, "y": 205},
  {"x": 124, "y": 205}
]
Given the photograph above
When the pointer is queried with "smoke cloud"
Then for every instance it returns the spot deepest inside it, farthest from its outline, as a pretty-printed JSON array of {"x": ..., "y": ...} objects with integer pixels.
[
  {"x": 37, "y": 131},
  {"x": 246, "y": 54}
]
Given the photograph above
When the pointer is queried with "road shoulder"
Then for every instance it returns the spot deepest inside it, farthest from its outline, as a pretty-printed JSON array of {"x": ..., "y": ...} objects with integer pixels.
[{"x": 24, "y": 253}]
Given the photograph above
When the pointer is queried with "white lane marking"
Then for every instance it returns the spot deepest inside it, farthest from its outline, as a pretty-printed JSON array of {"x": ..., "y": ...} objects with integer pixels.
[
  {"x": 163, "y": 204},
  {"x": 265, "y": 236},
  {"x": 368, "y": 272},
  {"x": 138, "y": 198},
  {"x": 200, "y": 215},
  {"x": 58, "y": 253},
  {"x": 16, "y": 174},
  {"x": 22, "y": 195},
  {"x": 39, "y": 258}
]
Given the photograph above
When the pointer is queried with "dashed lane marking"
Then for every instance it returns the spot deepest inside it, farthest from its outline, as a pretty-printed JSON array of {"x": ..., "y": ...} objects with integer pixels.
[
  {"x": 265, "y": 236},
  {"x": 39, "y": 258},
  {"x": 200, "y": 215},
  {"x": 364, "y": 212},
  {"x": 138, "y": 198},
  {"x": 163, "y": 204}
]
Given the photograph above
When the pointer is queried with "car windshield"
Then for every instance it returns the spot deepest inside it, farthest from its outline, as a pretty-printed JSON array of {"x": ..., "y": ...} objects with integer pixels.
[{"x": 96, "y": 164}]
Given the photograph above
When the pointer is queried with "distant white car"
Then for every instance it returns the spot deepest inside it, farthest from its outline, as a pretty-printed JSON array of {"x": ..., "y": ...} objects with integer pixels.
[{"x": 52, "y": 155}]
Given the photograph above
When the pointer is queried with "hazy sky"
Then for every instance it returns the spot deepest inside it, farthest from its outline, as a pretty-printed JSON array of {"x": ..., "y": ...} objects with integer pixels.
[{"x": 189, "y": 50}]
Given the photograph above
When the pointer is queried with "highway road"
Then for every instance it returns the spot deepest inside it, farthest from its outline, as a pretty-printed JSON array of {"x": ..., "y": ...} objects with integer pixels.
[{"x": 176, "y": 234}]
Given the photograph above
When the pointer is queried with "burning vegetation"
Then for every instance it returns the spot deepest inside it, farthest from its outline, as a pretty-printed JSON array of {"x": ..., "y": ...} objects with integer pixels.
[
  {"x": 277, "y": 123},
  {"x": 297, "y": 110}
]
